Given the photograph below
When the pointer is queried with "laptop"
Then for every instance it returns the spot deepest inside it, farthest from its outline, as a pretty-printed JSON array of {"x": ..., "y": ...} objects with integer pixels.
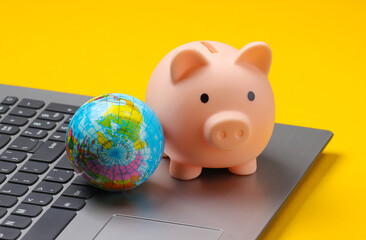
[{"x": 42, "y": 198}]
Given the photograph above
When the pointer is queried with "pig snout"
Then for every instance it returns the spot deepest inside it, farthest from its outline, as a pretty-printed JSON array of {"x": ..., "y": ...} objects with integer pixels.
[{"x": 227, "y": 130}]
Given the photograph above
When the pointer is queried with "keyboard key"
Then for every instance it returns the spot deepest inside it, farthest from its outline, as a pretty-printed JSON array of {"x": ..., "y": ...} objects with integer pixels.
[
  {"x": 42, "y": 124},
  {"x": 24, "y": 178},
  {"x": 23, "y": 144},
  {"x": 9, "y": 233},
  {"x": 48, "y": 187},
  {"x": 3, "y": 109},
  {"x": 9, "y": 100},
  {"x": 14, "y": 120},
  {"x": 68, "y": 119},
  {"x": 31, "y": 103},
  {"x": 3, "y": 211},
  {"x": 58, "y": 136},
  {"x": 27, "y": 210},
  {"x": 49, "y": 152},
  {"x": 7, "y": 129},
  {"x": 2, "y": 178},
  {"x": 38, "y": 199},
  {"x": 34, "y": 167},
  {"x": 59, "y": 175},
  {"x": 14, "y": 189},
  {"x": 13, "y": 156},
  {"x": 62, "y": 108},
  {"x": 64, "y": 163},
  {"x": 69, "y": 203},
  {"x": 7, "y": 201},
  {"x": 23, "y": 112},
  {"x": 17, "y": 222},
  {"x": 7, "y": 167},
  {"x": 79, "y": 191},
  {"x": 51, "y": 116},
  {"x": 63, "y": 128},
  {"x": 79, "y": 180},
  {"x": 4, "y": 139},
  {"x": 50, "y": 225},
  {"x": 34, "y": 133}
]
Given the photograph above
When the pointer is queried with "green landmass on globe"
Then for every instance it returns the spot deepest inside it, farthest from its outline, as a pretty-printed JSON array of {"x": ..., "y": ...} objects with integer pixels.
[{"x": 115, "y": 141}]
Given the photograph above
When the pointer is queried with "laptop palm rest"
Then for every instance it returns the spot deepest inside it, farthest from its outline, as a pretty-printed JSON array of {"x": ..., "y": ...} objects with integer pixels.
[{"x": 129, "y": 227}]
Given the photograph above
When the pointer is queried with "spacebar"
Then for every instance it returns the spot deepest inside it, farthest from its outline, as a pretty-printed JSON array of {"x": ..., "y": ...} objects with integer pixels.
[{"x": 50, "y": 225}]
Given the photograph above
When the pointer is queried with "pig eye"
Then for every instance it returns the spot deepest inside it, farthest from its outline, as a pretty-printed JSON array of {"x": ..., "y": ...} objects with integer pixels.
[
  {"x": 204, "y": 98},
  {"x": 251, "y": 96}
]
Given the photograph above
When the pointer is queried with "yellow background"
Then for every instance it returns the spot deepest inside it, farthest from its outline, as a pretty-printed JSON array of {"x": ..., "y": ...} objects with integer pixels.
[{"x": 318, "y": 76}]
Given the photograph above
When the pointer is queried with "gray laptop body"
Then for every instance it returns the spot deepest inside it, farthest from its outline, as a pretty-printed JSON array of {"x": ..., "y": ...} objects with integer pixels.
[{"x": 217, "y": 205}]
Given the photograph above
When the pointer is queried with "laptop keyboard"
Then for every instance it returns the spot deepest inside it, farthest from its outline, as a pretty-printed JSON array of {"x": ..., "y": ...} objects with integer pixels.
[{"x": 40, "y": 192}]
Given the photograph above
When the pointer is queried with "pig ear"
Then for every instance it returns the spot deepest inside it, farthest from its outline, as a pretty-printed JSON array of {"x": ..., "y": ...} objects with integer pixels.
[
  {"x": 186, "y": 62},
  {"x": 257, "y": 54}
]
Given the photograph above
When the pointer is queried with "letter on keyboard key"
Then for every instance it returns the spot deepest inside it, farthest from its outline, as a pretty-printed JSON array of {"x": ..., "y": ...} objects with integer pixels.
[
  {"x": 62, "y": 108},
  {"x": 7, "y": 129},
  {"x": 69, "y": 203},
  {"x": 51, "y": 116},
  {"x": 38, "y": 199},
  {"x": 17, "y": 222},
  {"x": 50, "y": 225},
  {"x": 79, "y": 191},
  {"x": 24, "y": 178},
  {"x": 58, "y": 136},
  {"x": 43, "y": 124},
  {"x": 27, "y": 210},
  {"x": 14, "y": 120},
  {"x": 14, "y": 189},
  {"x": 34, "y": 133},
  {"x": 31, "y": 103},
  {"x": 13, "y": 156},
  {"x": 9, "y": 233},
  {"x": 48, "y": 187},
  {"x": 7, "y": 167},
  {"x": 59, "y": 175},
  {"x": 49, "y": 152},
  {"x": 4, "y": 139},
  {"x": 23, "y": 112},
  {"x": 63, "y": 128},
  {"x": 23, "y": 144},
  {"x": 34, "y": 167}
]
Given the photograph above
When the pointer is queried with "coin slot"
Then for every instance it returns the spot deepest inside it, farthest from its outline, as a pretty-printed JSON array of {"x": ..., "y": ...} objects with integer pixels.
[{"x": 209, "y": 46}]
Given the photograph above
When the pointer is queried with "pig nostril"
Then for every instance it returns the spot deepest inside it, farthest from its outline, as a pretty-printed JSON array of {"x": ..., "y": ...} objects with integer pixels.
[
  {"x": 240, "y": 133},
  {"x": 221, "y": 134}
]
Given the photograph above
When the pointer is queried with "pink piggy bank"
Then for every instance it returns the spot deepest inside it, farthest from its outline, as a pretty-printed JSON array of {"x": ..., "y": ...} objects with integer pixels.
[{"x": 216, "y": 106}]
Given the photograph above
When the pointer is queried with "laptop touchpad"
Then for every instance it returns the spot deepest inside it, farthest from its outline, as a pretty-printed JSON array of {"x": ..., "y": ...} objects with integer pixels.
[{"x": 129, "y": 227}]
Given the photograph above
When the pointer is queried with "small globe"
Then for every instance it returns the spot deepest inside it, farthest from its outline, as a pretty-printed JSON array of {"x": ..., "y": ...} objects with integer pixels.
[{"x": 115, "y": 142}]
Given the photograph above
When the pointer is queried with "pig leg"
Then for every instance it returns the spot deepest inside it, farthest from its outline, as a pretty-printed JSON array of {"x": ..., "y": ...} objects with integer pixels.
[
  {"x": 183, "y": 171},
  {"x": 245, "y": 169}
]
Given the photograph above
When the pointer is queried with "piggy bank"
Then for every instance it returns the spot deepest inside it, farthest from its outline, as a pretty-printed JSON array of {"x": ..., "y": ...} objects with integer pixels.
[{"x": 216, "y": 106}]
